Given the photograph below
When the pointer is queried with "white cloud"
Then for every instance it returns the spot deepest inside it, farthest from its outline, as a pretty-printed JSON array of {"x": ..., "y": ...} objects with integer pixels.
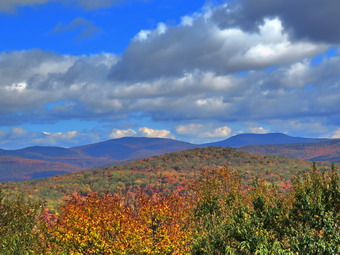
[
  {"x": 34, "y": 78},
  {"x": 248, "y": 14},
  {"x": 187, "y": 21},
  {"x": 149, "y": 132},
  {"x": 310, "y": 125},
  {"x": 143, "y": 131},
  {"x": 18, "y": 132},
  {"x": 70, "y": 137},
  {"x": 336, "y": 133},
  {"x": 222, "y": 132},
  {"x": 118, "y": 133},
  {"x": 179, "y": 74},
  {"x": 142, "y": 35},
  {"x": 204, "y": 131},
  {"x": 297, "y": 75},
  {"x": 17, "y": 86},
  {"x": 205, "y": 47},
  {"x": 259, "y": 130},
  {"x": 273, "y": 46},
  {"x": 75, "y": 83},
  {"x": 190, "y": 129},
  {"x": 19, "y": 137},
  {"x": 14, "y": 134}
]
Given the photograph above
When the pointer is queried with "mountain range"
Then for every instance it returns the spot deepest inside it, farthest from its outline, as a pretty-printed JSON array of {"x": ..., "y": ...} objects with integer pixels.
[
  {"x": 328, "y": 150},
  {"x": 163, "y": 172},
  {"x": 43, "y": 161},
  {"x": 262, "y": 139}
]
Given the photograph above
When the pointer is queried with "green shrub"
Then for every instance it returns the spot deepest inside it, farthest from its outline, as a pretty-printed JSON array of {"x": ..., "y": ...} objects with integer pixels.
[
  {"x": 261, "y": 218},
  {"x": 18, "y": 225}
]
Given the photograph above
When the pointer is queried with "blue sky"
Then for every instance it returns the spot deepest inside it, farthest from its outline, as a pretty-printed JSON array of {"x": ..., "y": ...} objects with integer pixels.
[{"x": 81, "y": 71}]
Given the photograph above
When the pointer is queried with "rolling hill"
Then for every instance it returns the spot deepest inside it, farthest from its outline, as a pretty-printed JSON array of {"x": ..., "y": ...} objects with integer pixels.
[
  {"x": 319, "y": 151},
  {"x": 163, "y": 172},
  {"x": 16, "y": 169},
  {"x": 43, "y": 161}
]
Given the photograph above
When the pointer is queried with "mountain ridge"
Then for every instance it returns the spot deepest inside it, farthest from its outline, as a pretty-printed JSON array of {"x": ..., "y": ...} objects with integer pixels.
[
  {"x": 262, "y": 139},
  {"x": 328, "y": 150},
  {"x": 116, "y": 151},
  {"x": 163, "y": 171},
  {"x": 85, "y": 157},
  {"x": 126, "y": 147}
]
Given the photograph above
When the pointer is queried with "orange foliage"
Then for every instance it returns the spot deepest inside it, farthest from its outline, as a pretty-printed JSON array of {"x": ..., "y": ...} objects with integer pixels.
[{"x": 140, "y": 223}]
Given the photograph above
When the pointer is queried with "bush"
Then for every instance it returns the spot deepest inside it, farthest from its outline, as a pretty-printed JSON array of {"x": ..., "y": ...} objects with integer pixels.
[
  {"x": 220, "y": 213},
  {"x": 19, "y": 232},
  {"x": 261, "y": 218}
]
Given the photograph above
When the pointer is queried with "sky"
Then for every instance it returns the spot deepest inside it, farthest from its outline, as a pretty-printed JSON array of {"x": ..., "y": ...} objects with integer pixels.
[{"x": 74, "y": 72}]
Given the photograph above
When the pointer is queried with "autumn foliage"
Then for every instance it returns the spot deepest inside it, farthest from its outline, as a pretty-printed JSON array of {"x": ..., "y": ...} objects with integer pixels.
[
  {"x": 138, "y": 223},
  {"x": 218, "y": 213}
]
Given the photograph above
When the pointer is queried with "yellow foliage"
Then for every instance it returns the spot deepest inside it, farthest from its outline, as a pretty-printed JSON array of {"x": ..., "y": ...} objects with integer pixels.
[{"x": 111, "y": 224}]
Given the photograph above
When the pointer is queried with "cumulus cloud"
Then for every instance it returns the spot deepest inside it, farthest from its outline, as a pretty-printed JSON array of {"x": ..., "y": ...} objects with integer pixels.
[
  {"x": 85, "y": 27},
  {"x": 58, "y": 138},
  {"x": 118, "y": 133},
  {"x": 11, "y": 5},
  {"x": 185, "y": 73},
  {"x": 149, "y": 132},
  {"x": 336, "y": 133},
  {"x": 67, "y": 135},
  {"x": 18, "y": 132},
  {"x": 314, "y": 20},
  {"x": 204, "y": 131},
  {"x": 143, "y": 131},
  {"x": 19, "y": 137},
  {"x": 258, "y": 130},
  {"x": 189, "y": 129},
  {"x": 34, "y": 78},
  {"x": 15, "y": 134},
  {"x": 31, "y": 80},
  {"x": 307, "y": 126},
  {"x": 205, "y": 47}
]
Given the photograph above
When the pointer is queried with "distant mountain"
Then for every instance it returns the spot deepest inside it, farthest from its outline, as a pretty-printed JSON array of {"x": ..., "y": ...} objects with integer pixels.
[
  {"x": 128, "y": 148},
  {"x": 328, "y": 150},
  {"x": 261, "y": 139},
  {"x": 44, "y": 161},
  {"x": 13, "y": 168},
  {"x": 163, "y": 172},
  {"x": 47, "y": 151},
  {"x": 332, "y": 157}
]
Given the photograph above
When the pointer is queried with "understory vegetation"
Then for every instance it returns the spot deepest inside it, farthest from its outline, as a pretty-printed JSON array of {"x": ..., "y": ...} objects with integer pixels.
[{"x": 219, "y": 212}]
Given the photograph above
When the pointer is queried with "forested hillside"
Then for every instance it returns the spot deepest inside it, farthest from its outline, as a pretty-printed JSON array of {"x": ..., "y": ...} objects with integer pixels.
[
  {"x": 45, "y": 161},
  {"x": 318, "y": 151},
  {"x": 166, "y": 172},
  {"x": 214, "y": 213}
]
